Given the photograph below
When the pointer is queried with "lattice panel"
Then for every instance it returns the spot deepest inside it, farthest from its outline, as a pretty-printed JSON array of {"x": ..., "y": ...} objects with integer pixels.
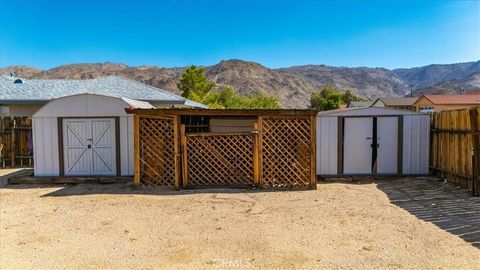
[
  {"x": 220, "y": 160},
  {"x": 286, "y": 153},
  {"x": 157, "y": 152}
]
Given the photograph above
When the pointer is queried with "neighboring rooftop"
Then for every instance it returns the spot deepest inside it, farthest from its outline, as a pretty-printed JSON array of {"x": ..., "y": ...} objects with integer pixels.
[
  {"x": 397, "y": 101},
  {"x": 357, "y": 104},
  {"x": 454, "y": 99},
  {"x": 18, "y": 90}
]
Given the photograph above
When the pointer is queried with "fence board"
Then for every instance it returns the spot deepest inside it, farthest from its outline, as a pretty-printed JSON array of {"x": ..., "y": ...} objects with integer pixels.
[
  {"x": 16, "y": 142},
  {"x": 452, "y": 147}
]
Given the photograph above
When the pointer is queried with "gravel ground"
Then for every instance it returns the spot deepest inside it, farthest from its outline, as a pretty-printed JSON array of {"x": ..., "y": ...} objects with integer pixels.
[{"x": 340, "y": 225}]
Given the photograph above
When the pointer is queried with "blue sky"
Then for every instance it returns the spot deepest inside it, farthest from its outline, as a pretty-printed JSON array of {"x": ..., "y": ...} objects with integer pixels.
[{"x": 390, "y": 34}]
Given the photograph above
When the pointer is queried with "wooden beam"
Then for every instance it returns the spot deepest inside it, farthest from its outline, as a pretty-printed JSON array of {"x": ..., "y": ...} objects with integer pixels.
[
  {"x": 474, "y": 119},
  {"x": 183, "y": 139},
  {"x": 176, "y": 138},
  {"x": 12, "y": 146},
  {"x": 67, "y": 180},
  {"x": 256, "y": 165},
  {"x": 260, "y": 151},
  {"x": 136, "y": 149},
  {"x": 222, "y": 112},
  {"x": 313, "y": 151}
]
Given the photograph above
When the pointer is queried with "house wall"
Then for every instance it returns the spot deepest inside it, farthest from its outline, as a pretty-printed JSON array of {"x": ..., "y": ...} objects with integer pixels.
[
  {"x": 424, "y": 102},
  {"x": 20, "y": 109},
  {"x": 45, "y": 129}
]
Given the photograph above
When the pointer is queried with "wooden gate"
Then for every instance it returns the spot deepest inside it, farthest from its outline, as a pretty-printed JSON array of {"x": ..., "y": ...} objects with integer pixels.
[
  {"x": 218, "y": 159},
  {"x": 156, "y": 155},
  {"x": 287, "y": 152}
]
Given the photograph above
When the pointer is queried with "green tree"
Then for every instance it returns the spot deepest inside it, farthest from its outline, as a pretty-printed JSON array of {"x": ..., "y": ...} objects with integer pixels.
[
  {"x": 195, "y": 85},
  {"x": 349, "y": 96},
  {"x": 227, "y": 98},
  {"x": 262, "y": 101},
  {"x": 327, "y": 99},
  {"x": 330, "y": 98}
]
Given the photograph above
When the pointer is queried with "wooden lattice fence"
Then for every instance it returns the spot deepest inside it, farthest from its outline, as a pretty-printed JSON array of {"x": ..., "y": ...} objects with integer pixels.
[
  {"x": 156, "y": 154},
  {"x": 287, "y": 152},
  {"x": 278, "y": 152},
  {"x": 219, "y": 159},
  {"x": 16, "y": 146},
  {"x": 455, "y": 143}
]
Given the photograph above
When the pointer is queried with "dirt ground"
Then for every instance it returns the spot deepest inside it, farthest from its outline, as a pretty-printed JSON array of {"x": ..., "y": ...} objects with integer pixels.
[{"x": 340, "y": 225}]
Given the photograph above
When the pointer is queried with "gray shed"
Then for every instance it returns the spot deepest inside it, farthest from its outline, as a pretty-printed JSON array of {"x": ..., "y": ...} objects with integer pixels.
[{"x": 373, "y": 140}]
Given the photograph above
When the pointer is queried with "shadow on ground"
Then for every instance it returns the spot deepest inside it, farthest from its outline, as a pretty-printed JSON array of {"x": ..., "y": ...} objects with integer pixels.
[
  {"x": 63, "y": 190},
  {"x": 448, "y": 207},
  {"x": 451, "y": 209}
]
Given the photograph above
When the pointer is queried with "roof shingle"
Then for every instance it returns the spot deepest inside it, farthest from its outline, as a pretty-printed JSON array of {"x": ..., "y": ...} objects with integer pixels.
[{"x": 115, "y": 86}]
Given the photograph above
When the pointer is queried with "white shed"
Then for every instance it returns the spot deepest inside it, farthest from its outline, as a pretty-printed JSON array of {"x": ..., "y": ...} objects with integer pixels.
[
  {"x": 83, "y": 135},
  {"x": 372, "y": 140}
]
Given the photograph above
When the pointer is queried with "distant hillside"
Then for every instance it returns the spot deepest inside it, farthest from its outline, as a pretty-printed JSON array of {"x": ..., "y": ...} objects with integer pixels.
[
  {"x": 422, "y": 77},
  {"x": 292, "y": 85}
]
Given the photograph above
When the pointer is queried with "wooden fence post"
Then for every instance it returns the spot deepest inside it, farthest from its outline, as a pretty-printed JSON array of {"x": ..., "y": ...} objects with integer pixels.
[
  {"x": 12, "y": 140},
  {"x": 176, "y": 138},
  {"x": 256, "y": 177},
  {"x": 136, "y": 148},
  {"x": 313, "y": 151},
  {"x": 260, "y": 151},
  {"x": 183, "y": 139},
  {"x": 474, "y": 119}
]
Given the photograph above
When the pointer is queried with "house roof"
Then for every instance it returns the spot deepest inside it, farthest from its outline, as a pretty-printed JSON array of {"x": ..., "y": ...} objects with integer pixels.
[
  {"x": 356, "y": 104},
  {"x": 397, "y": 101},
  {"x": 40, "y": 91},
  {"x": 473, "y": 99}
]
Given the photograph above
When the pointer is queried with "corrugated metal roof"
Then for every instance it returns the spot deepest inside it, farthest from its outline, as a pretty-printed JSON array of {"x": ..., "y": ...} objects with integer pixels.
[
  {"x": 114, "y": 86},
  {"x": 473, "y": 99}
]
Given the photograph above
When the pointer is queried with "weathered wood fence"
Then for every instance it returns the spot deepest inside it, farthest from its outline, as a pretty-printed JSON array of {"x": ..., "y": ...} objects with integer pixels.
[
  {"x": 455, "y": 147},
  {"x": 278, "y": 152},
  {"x": 16, "y": 142}
]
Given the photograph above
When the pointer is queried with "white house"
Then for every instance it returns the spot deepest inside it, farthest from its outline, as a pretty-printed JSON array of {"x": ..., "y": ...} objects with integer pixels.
[{"x": 372, "y": 141}]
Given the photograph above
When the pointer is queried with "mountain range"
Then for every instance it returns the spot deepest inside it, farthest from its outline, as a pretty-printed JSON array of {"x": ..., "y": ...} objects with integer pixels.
[{"x": 293, "y": 85}]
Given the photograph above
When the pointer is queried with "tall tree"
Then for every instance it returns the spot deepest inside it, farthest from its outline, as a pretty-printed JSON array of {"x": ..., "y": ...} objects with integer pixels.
[{"x": 194, "y": 84}]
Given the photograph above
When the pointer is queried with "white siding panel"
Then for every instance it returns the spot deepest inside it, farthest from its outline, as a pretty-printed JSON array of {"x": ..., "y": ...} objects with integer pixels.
[
  {"x": 407, "y": 127},
  {"x": 424, "y": 145},
  {"x": 123, "y": 146},
  {"x": 327, "y": 145},
  {"x": 45, "y": 141},
  {"x": 416, "y": 144},
  {"x": 126, "y": 145},
  {"x": 130, "y": 142}
]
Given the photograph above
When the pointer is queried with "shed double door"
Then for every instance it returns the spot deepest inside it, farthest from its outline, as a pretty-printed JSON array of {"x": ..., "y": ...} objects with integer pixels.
[
  {"x": 370, "y": 145},
  {"x": 89, "y": 146}
]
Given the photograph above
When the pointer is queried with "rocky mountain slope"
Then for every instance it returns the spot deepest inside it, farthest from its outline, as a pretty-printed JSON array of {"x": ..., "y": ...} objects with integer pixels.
[
  {"x": 292, "y": 85},
  {"x": 422, "y": 77}
]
